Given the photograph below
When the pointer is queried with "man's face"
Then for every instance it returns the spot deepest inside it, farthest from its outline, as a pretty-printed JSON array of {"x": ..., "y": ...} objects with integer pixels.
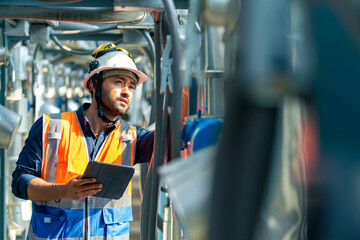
[{"x": 117, "y": 93}]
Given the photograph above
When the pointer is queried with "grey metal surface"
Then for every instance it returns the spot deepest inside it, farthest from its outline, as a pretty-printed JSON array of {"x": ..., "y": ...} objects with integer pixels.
[
  {"x": 133, "y": 38},
  {"x": 9, "y": 124},
  {"x": 284, "y": 212},
  {"x": 131, "y": 5},
  {"x": 212, "y": 60},
  {"x": 145, "y": 5},
  {"x": 218, "y": 8},
  {"x": 146, "y": 23},
  {"x": 39, "y": 33},
  {"x": 189, "y": 186},
  {"x": 21, "y": 28}
]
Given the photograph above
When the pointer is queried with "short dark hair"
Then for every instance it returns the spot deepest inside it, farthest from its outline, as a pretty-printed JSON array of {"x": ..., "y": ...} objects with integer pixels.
[{"x": 94, "y": 79}]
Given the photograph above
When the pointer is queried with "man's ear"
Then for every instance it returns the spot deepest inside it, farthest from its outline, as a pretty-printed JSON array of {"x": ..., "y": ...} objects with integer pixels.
[{"x": 92, "y": 85}]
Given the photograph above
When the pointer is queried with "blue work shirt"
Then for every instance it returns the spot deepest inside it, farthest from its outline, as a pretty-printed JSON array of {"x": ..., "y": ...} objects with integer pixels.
[{"x": 29, "y": 163}]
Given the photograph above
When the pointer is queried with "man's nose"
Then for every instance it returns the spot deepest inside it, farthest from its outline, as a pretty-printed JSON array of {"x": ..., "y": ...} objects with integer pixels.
[{"x": 125, "y": 91}]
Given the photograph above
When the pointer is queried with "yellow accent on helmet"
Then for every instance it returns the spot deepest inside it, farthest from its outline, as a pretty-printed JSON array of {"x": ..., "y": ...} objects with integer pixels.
[
  {"x": 109, "y": 47},
  {"x": 103, "y": 47}
]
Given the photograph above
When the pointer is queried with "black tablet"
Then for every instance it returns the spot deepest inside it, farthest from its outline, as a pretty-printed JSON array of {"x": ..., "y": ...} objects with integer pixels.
[{"x": 114, "y": 178}]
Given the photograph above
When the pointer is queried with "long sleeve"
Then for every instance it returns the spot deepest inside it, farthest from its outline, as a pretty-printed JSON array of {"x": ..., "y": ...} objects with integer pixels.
[
  {"x": 144, "y": 145},
  {"x": 29, "y": 162}
]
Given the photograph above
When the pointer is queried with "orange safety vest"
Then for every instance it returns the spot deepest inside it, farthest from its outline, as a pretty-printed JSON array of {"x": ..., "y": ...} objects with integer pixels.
[{"x": 65, "y": 156}]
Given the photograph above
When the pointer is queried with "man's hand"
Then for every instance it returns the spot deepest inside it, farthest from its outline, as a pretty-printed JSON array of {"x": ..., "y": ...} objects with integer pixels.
[
  {"x": 79, "y": 188},
  {"x": 76, "y": 189}
]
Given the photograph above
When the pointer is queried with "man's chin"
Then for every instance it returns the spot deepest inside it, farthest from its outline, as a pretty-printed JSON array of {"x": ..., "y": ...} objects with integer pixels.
[{"x": 121, "y": 111}]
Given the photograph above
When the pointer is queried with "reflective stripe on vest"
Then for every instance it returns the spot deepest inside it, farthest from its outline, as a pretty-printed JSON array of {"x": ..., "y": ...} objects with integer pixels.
[
  {"x": 31, "y": 236},
  {"x": 65, "y": 156}
]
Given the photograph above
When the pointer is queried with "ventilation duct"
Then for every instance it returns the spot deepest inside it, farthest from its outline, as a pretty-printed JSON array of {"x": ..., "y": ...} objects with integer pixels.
[
  {"x": 70, "y": 14},
  {"x": 9, "y": 124}
]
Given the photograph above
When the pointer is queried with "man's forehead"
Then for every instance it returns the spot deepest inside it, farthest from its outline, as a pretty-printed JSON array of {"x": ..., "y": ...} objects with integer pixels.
[{"x": 119, "y": 73}]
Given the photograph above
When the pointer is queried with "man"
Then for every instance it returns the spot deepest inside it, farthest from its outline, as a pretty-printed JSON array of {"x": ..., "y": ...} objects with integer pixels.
[{"x": 50, "y": 166}]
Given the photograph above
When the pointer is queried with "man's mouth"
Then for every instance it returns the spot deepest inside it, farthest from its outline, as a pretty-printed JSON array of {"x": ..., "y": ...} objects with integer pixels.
[{"x": 124, "y": 101}]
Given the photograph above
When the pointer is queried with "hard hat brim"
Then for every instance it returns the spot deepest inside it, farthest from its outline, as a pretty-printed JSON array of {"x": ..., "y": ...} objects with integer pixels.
[{"x": 142, "y": 77}]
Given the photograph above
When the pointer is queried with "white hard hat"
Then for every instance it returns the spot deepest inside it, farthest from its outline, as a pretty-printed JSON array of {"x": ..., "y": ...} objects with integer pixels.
[{"x": 107, "y": 57}]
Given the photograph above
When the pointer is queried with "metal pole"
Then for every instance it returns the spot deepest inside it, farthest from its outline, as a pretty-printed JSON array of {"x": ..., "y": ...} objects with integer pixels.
[
  {"x": 175, "y": 41},
  {"x": 2, "y": 151}
]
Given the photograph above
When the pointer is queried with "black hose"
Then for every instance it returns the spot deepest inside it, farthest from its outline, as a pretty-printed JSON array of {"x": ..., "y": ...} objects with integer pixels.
[
  {"x": 152, "y": 213},
  {"x": 68, "y": 49},
  {"x": 85, "y": 32},
  {"x": 148, "y": 38},
  {"x": 150, "y": 41},
  {"x": 177, "y": 95}
]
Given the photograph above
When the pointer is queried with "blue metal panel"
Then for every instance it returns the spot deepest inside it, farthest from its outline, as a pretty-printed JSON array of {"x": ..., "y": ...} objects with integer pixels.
[
  {"x": 201, "y": 133},
  {"x": 337, "y": 94}
]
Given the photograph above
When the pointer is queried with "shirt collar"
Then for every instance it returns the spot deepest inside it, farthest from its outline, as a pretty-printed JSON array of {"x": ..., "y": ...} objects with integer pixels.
[{"x": 84, "y": 121}]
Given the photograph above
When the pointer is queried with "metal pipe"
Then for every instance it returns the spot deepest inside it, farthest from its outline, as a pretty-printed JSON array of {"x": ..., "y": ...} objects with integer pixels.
[
  {"x": 175, "y": 40},
  {"x": 158, "y": 135},
  {"x": 34, "y": 72},
  {"x": 75, "y": 26},
  {"x": 70, "y": 14},
  {"x": 3, "y": 54},
  {"x": 2, "y": 151},
  {"x": 11, "y": 22},
  {"x": 167, "y": 223}
]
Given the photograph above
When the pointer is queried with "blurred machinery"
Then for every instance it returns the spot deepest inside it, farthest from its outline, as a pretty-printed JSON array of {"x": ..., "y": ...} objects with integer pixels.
[{"x": 255, "y": 107}]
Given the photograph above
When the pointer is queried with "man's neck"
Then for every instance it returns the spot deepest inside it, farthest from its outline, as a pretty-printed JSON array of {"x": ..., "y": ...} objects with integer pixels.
[{"x": 97, "y": 124}]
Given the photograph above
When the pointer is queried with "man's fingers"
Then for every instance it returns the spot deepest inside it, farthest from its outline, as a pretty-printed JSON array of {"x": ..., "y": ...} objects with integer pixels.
[
  {"x": 91, "y": 186},
  {"x": 89, "y": 192},
  {"x": 86, "y": 181}
]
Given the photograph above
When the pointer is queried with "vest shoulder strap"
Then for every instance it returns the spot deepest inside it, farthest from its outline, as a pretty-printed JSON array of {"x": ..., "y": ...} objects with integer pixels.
[{"x": 54, "y": 136}]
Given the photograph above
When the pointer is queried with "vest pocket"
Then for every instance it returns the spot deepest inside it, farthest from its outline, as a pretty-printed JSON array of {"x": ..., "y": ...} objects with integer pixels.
[
  {"x": 117, "y": 221},
  {"x": 48, "y": 226}
]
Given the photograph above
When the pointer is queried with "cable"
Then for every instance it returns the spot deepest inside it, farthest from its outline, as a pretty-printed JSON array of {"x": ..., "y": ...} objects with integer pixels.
[
  {"x": 84, "y": 32},
  {"x": 148, "y": 38},
  {"x": 68, "y": 49}
]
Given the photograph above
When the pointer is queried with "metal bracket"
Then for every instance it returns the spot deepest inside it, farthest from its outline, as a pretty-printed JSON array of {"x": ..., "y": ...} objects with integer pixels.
[
  {"x": 193, "y": 44},
  {"x": 166, "y": 76}
]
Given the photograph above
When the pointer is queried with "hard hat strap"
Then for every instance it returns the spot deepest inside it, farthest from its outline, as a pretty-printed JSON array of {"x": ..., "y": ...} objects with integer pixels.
[{"x": 98, "y": 89}]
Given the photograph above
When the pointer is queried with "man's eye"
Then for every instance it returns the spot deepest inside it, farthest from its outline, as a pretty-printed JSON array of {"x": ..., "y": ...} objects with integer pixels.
[{"x": 132, "y": 87}]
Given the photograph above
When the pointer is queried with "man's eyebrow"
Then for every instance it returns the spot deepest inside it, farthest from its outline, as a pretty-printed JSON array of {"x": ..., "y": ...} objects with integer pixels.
[{"x": 131, "y": 80}]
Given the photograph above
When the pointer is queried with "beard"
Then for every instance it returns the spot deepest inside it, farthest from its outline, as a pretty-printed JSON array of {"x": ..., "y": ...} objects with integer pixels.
[{"x": 113, "y": 106}]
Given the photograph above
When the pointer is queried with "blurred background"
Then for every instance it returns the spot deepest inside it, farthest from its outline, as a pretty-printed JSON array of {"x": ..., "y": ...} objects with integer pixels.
[{"x": 255, "y": 105}]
